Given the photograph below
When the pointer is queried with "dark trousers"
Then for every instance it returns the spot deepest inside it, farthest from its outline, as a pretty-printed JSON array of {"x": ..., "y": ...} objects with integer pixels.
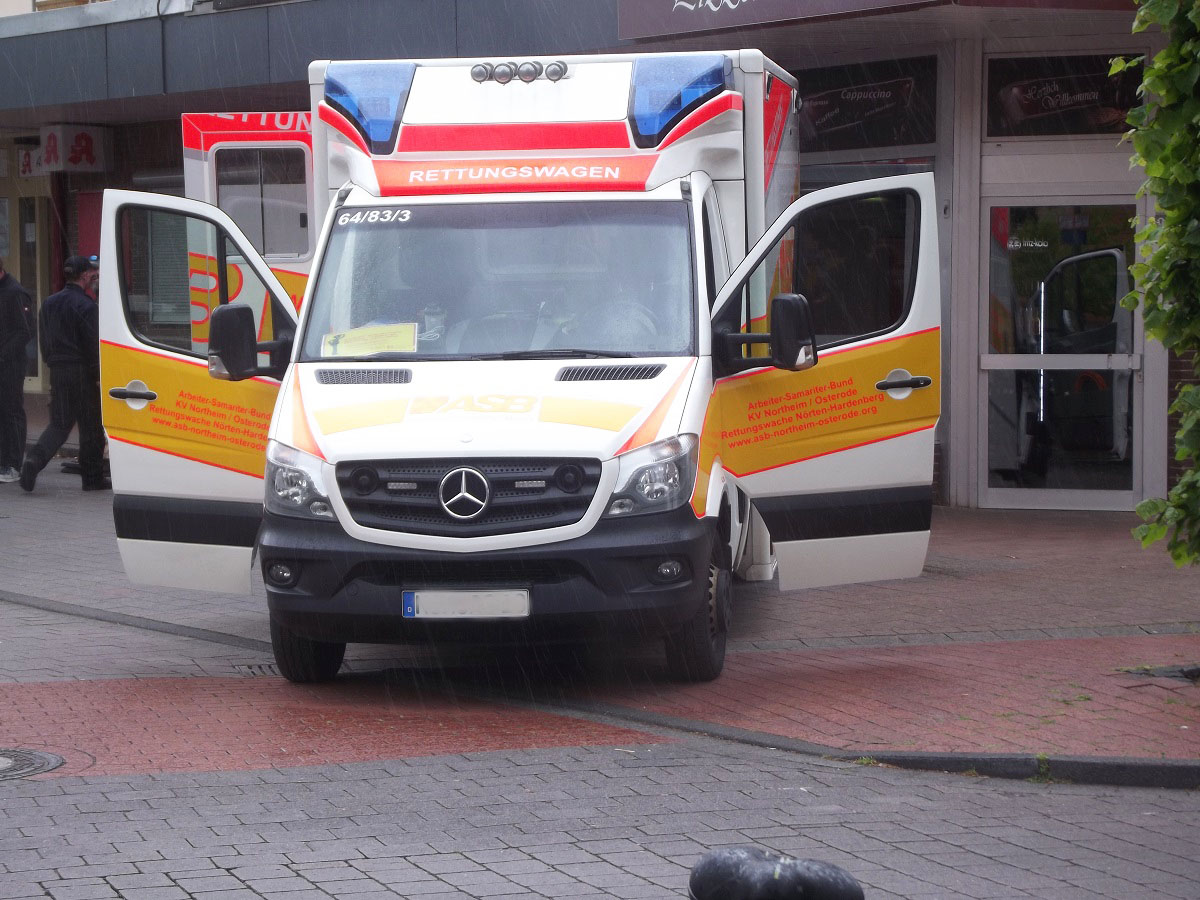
[
  {"x": 12, "y": 413},
  {"x": 74, "y": 399}
]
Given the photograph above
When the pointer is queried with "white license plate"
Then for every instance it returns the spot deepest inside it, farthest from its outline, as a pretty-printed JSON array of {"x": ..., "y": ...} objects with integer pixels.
[{"x": 511, "y": 604}]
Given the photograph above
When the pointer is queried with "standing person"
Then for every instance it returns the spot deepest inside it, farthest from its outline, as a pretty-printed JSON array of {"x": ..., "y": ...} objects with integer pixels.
[
  {"x": 14, "y": 335},
  {"x": 70, "y": 339}
]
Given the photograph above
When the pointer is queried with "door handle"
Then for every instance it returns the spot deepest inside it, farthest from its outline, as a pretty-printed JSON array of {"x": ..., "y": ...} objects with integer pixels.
[
  {"x": 120, "y": 393},
  {"x": 899, "y": 384}
]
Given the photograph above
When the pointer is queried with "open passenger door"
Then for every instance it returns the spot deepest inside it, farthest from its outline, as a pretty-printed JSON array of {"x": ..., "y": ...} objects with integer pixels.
[
  {"x": 837, "y": 458},
  {"x": 187, "y": 450}
]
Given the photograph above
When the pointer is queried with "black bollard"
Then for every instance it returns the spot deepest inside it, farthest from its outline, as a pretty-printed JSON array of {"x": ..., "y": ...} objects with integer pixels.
[{"x": 750, "y": 873}]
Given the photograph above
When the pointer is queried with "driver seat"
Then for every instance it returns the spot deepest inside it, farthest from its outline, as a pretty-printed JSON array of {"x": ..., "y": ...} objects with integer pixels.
[{"x": 490, "y": 330}]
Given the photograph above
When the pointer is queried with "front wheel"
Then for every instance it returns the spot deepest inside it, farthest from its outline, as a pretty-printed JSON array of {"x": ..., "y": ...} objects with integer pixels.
[
  {"x": 696, "y": 652},
  {"x": 302, "y": 660}
]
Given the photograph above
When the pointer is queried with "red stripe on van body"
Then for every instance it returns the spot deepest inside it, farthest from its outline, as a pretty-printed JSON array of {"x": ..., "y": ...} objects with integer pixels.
[
  {"x": 706, "y": 113},
  {"x": 514, "y": 136}
]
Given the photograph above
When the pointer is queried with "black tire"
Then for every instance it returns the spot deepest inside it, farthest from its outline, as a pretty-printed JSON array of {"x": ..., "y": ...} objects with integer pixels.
[
  {"x": 696, "y": 652},
  {"x": 304, "y": 661}
]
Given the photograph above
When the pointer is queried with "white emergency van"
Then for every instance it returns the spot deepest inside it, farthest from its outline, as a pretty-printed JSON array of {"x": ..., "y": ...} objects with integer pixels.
[{"x": 570, "y": 357}]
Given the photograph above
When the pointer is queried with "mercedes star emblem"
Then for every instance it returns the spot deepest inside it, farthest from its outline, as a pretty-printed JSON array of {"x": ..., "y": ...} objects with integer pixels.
[{"x": 464, "y": 493}]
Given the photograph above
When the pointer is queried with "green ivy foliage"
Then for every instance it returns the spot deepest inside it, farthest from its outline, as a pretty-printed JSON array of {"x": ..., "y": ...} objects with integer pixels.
[{"x": 1166, "y": 141}]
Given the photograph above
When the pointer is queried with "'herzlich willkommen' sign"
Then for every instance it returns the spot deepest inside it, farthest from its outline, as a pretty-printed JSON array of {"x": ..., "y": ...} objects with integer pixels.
[{"x": 652, "y": 18}]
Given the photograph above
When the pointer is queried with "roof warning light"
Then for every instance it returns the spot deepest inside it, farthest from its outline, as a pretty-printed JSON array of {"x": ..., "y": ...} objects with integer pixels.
[{"x": 528, "y": 71}]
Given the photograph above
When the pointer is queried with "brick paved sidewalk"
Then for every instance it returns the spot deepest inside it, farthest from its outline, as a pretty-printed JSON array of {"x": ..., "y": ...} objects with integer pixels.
[
  {"x": 1060, "y": 698},
  {"x": 1013, "y": 641}
]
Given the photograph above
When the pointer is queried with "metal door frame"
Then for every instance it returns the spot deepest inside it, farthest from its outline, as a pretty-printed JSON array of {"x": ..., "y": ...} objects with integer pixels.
[{"x": 1136, "y": 363}]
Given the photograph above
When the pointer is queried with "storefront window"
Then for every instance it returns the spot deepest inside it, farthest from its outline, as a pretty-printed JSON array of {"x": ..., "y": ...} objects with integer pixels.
[
  {"x": 1056, "y": 278},
  {"x": 889, "y": 103},
  {"x": 1065, "y": 429},
  {"x": 1064, "y": 419},
  {"x": 1058, "y": 95},
  {"x": 27, "y": 231}
]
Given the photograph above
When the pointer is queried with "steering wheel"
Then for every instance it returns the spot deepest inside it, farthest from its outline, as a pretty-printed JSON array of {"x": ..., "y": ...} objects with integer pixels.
[{"x": 638, "y": 315}]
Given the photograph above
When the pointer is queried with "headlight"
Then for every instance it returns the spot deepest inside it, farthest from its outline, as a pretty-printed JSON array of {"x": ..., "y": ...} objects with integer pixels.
[
  {"x": 293, "y": 483},
  {"x": 656, "y": 478}
]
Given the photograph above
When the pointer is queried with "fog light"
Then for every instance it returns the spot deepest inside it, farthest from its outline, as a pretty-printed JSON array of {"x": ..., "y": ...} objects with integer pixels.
[
  {"x": 556, "y": 70},
  {"x": 569, "y": 479},
  {"x": 481, "y": 72},
  {"x": 320, "y": 508},
  {"x": 281, "y": 574},
  {"x": 505, "y": 72},
  {"x": 669, "y": 569},
  {"x": 365, "y": 480},
  {"x": 620, "y": 507}
]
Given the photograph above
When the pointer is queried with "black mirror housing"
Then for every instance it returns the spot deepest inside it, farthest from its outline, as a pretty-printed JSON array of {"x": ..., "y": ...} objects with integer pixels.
[
  {"x": 793, "y": 340},
  {"x": 232, "y": 348}
]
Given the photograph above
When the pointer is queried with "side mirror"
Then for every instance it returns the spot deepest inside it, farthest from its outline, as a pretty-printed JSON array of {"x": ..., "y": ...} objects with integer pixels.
[
  {"x": 793, "y": 340},
  {"x": 233, "y": 350}
]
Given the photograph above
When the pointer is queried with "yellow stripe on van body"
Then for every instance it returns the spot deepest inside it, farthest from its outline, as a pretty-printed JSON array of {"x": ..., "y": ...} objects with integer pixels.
[
  {"x": 353, "y": 416},
  {"x": 557, "y": 410},
  {"x": 197, "y": 417},
  {"x": 600, "y": 414},
  {"x": 775, "y": 418}
]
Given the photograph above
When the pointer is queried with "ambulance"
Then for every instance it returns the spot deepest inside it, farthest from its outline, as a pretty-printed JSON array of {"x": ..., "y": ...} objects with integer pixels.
[{"x": 572, "y": 356}]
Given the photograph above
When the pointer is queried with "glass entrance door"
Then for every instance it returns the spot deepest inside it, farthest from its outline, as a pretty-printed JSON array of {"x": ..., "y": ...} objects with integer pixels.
[{"x": 1062, "y": 360}]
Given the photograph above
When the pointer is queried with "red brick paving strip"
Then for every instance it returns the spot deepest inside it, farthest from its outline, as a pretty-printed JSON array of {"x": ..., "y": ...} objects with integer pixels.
[
  {"x": 142, "y": 726},
  {"x": 1060, "y": 697}
]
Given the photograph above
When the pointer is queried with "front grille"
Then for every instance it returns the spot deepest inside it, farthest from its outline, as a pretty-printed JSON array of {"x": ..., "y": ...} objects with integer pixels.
[{"x": 402, "y": 495}]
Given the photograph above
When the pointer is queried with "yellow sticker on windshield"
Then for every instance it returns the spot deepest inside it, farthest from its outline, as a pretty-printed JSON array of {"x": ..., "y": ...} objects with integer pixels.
[{"x": 398, "y": 338}]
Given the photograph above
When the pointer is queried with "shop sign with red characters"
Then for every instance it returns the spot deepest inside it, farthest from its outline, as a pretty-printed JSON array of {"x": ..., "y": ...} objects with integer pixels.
[{"x": 74, "y": 148}]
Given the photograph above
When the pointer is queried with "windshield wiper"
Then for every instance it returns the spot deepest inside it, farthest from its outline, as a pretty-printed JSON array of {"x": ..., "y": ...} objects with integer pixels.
[
  {"x": 556, "y": 353},
  {"x": 380, "y": 356}
]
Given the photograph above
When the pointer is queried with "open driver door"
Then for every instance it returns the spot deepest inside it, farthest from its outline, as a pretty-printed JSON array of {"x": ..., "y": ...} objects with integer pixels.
[
  {"x": 836, "y": 455},
  {"x": 187, "y": 450}
]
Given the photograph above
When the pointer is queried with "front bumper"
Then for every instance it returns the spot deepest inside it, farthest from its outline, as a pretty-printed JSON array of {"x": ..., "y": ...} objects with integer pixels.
[{"x": 604, "y": 582}]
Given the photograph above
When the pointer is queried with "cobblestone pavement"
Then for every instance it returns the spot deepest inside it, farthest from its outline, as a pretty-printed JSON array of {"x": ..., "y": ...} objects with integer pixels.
[
  {"x": 622, "y": 821},
  {"x": 191, "y": 770}
]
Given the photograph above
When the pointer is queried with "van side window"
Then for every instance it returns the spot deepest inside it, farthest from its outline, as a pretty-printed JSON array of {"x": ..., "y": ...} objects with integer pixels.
[
  {"x": 856, "y": 263},
  {"x": 175, "y": 269},
  {"x": 855, "y": 260},
  {"x": 710, "y": 275},
  {"x": 263, "y": 190},
  {"x": 716, "y": 265},
  {"x": 747, "y": 310}
]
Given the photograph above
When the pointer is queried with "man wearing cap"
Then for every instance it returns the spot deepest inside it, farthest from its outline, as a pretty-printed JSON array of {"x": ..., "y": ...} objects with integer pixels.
[
  {"x": 14, "y": 335},
  {"x": 70, "y": 339}
]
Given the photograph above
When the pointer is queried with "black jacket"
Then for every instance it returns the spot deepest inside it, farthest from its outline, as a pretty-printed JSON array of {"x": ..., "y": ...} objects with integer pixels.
[
  {"x": 70, "y": 329},
  {"x": 14, "y": 327}
]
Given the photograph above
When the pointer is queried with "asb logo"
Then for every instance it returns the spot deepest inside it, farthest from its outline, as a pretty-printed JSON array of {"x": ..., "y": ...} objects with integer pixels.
[{"x": 464, "y": 493}]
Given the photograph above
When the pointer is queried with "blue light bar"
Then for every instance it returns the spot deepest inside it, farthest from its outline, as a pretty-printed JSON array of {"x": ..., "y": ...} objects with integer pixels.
[
  {"x": 372, "y": 95},
  {"x": 667, "y": 88}
]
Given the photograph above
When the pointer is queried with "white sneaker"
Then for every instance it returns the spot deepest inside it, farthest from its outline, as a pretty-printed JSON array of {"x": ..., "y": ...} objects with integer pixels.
[{"x": 8, "y": 475}]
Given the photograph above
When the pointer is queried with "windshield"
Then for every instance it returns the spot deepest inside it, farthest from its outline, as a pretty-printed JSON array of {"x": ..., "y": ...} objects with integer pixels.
[{"x": 505, "y": 280}]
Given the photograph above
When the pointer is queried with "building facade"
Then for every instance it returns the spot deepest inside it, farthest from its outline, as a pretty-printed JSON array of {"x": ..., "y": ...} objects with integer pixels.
[{"x": 1052, "y": 395}]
